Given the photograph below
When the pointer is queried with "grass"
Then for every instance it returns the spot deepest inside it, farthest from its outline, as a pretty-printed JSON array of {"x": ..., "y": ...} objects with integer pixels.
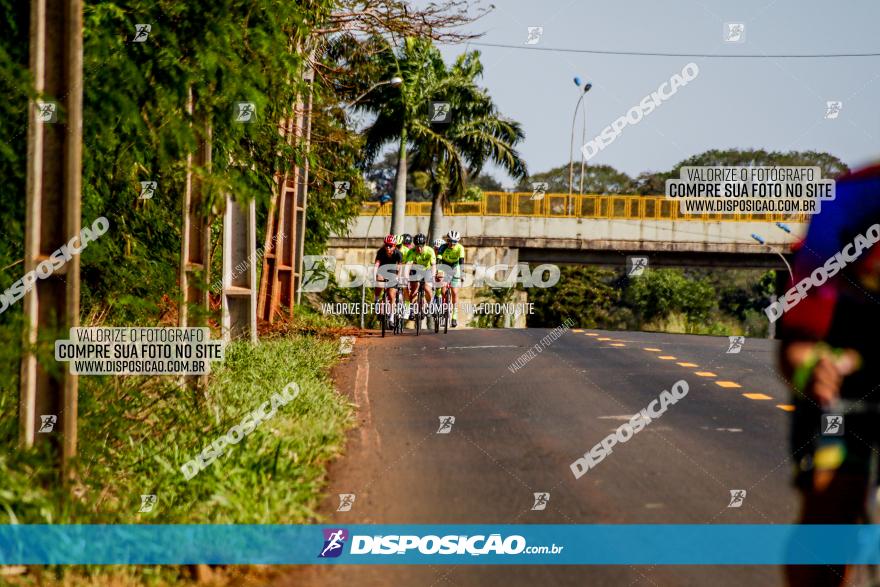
[{"x": 136, "y": 432}]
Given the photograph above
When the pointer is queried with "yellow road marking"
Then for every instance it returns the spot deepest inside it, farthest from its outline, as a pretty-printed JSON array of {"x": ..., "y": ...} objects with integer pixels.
[
  {"x": 577, "y": 330},
  {"x": 756, "y": 396},
  {"x": 785, "y": 407},
  {"x": 653, "y": 350},
  {"x": 666, "y": 357},
  {"x": 603, "y": 338},
  {"x": 591, "y": 334},
  {"x": 687, "y": 364},
  {"x": 705, "y": 374},
  {"x": 727, "y": 384},
  {"x": 617, "y": 344}
]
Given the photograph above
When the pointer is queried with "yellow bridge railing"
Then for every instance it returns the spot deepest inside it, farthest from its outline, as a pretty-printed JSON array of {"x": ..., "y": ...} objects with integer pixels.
[{"x": 623, "y": 207}]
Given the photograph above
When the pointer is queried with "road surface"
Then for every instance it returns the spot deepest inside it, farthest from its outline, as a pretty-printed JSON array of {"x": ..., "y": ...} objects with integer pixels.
[{"x": 516, "y": 433}]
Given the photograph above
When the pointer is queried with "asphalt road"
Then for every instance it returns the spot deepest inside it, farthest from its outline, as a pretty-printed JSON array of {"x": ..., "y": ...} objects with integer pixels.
[{"x": 517, "y": 433}]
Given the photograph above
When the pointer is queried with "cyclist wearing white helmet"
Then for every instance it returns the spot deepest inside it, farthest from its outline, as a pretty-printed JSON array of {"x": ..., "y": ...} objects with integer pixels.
[{"x": 453, "y": 255}]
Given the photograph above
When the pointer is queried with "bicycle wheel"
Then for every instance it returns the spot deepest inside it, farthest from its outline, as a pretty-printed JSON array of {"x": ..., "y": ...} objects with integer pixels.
[
  {"x": 436, "y": 311},
  {"x": 447, "y": 312},
  {"x": 383, "y": 317},
  {"x": 398, "y": 312},
  {"x": 417, "y": 310}
]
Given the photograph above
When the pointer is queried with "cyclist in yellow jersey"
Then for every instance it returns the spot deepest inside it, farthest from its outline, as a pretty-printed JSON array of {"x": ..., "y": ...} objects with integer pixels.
[
  {"x": 404, "y": 242},
  {"x": 453, "y": 255},
  {"x": 422, "y": 258}
]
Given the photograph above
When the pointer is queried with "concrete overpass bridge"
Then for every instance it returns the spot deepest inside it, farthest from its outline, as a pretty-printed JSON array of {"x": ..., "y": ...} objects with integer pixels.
[
  {"x": 587, "y": 229},
  {"x": 513, "y": 228}
]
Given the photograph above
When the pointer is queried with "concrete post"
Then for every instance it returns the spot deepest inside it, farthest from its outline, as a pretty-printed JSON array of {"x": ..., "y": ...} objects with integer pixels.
[
  {"x": 285, "y": 226},
  {"x": 53, "y": 216},
  {"x": 302, "y": 193},
  {"x": 195, "y": 250},
  {"x": 239, "y": 300},
  {"x": 276, "y": 279}
]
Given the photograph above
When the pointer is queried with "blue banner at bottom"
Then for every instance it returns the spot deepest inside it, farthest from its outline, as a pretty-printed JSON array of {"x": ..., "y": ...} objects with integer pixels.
[{"x": 523, "y": 544}]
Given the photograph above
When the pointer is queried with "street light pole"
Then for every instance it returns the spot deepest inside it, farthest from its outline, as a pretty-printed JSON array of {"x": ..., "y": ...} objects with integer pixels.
[
  {"x": 760, "y": 240},
  {"x": 366, "y": 261},
  {"x": 583, "y": 142},
  {"x": 577, "y": 82},
  {"x": 393, "y": 82}
]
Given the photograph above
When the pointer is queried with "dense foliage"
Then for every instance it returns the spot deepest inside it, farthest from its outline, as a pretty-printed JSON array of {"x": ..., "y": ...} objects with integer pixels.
[
  {"x": 138, "y": 127},
  {"x": 700, "y": 301}
]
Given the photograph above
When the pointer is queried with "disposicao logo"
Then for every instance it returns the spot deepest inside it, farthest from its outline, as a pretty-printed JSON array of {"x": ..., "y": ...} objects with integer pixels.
[{"x": 334, "y": 541}]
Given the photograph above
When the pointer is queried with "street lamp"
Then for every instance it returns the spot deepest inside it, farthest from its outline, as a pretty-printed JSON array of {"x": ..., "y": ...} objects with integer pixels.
[
  {"x": 394, "y": 82},
  {"x": 583, "y": 142},
  {"x": 761, "y": 240},
  {"x": 587, "y": 86}
]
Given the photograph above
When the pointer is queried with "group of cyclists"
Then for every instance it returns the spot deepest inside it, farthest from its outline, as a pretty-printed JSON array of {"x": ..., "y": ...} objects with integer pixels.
[{"x": 410, "y": 260}]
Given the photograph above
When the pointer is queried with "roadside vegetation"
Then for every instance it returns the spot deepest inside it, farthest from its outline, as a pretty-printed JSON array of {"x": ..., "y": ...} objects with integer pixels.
[
  {"x": 135, "y": 433},
  {"x": 694, "y": 301}
]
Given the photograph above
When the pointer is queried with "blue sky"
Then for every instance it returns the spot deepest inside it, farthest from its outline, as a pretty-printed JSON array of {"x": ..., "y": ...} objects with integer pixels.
[{"x": 770, "y": 103}]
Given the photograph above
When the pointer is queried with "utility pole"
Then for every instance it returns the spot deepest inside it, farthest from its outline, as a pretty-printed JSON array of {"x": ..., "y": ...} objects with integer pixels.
[{"x": 48, "y": 403}]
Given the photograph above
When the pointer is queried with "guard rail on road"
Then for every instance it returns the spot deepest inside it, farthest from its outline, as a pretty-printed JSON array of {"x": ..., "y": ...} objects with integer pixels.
[{"x": 623, "y": 207}]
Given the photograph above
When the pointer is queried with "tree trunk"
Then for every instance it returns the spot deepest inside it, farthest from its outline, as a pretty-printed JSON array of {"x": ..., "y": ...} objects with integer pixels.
[
  {"x": 398, "y": 213},
  {"x": 436, "y": 216}
]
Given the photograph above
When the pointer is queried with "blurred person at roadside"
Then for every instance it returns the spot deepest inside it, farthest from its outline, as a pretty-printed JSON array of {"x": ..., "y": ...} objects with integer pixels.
[{"x": 830, "y": 353}]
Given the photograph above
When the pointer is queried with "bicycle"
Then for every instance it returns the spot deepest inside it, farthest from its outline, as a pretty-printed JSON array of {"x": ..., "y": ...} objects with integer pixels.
[
  {"x": 399, "y": 310},
  {"x": 389, "y": 309},
  {"x": 443, "y": 310},
  {"x": 418, "y": 306},
  {"x": 383, "y": 308}
]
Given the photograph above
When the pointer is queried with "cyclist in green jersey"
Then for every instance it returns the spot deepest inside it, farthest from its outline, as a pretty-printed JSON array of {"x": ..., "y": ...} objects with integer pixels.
[
  {"x": 404, "y": 243},
  {"x": 423, "y": 260},
  {"x": 453, "y": 255}
]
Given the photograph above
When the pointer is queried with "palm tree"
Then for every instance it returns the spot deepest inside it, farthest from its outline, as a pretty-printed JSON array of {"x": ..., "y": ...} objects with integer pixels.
[
  {"x": 451, "y": 153},
  {"x": 417, "y": 62}
]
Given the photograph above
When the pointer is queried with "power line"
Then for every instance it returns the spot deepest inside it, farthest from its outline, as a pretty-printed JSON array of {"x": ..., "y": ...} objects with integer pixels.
[{"x": 661, "y": 54}]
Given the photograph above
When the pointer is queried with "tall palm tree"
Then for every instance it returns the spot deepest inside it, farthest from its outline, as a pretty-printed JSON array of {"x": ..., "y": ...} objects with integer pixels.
[
  {"x": 418, "y": 63},
  {"x": 449, "y": 153},
  {"x": 453, "y": 152}
]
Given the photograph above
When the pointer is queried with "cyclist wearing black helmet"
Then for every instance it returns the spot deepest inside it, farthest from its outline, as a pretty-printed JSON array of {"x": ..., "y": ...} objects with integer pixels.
[
  {"x": 423, "y": 258},
  {"x": 404, "y": 244}
]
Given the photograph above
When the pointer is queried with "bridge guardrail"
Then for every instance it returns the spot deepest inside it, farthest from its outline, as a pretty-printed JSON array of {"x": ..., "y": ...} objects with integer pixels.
[{"x": 622, "y": 207}]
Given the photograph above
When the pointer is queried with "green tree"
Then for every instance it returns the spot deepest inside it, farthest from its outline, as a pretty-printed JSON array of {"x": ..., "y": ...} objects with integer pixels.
[
  {"x": 451, "y": 153},
  {"x": 586, "y": 294},
  {"x": 598, "y": 179},
  {"x": 659, "y": 293},
  {"x": 448, "y": 153},
  {"x": 487, "y": 183},
  {"x": 655, "y": 183}
]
